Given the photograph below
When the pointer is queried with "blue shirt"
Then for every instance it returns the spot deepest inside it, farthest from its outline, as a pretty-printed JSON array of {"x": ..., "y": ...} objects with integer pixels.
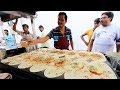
[{"x": 10, "y": 41}]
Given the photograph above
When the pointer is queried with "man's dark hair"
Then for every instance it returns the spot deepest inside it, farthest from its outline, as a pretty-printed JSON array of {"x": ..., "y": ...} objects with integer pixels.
[
  {"x": 25, "y": 25},
  {"x": 63, "y": 13},
  {"x": 97, "y": 20},
  {"x": 109, "y": 14},
  {"x": 41, "y": 26},
  {"x": 6, "y": 30}
]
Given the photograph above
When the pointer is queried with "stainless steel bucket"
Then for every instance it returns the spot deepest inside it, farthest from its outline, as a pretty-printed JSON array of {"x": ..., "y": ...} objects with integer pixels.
[{"x": 2, "y": 54}]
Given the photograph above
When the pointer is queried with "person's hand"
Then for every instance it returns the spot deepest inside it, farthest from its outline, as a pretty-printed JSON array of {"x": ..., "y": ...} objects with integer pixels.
[
  {"x": 88, "y": 49},
  {"x": 86, "y": 43},
  {"x": 16, "y": 19},
  {"x": 31, "y": 42}
]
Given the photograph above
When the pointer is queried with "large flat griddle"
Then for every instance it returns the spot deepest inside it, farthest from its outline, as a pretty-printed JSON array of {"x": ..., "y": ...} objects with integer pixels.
[{"x": 26, "y": 74}]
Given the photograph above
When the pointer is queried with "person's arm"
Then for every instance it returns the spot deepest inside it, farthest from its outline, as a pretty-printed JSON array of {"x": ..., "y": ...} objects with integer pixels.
[
  {"x": 14, "y": 28},
  {"x": 118, "y": 40},
  {"x": 90, "y": 45},
  {"x": 42, "y": 39},
  {"x": 71, "y": 43},
  {"x": 15, "y": 24},
  {"x": 39, "y": 40},
  {"x": 118, "y": 46},
  {"x": 82, "y": 37}
]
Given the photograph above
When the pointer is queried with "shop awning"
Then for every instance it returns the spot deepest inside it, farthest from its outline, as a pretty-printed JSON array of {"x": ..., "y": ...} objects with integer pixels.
[{"x": 10, "y": 15}]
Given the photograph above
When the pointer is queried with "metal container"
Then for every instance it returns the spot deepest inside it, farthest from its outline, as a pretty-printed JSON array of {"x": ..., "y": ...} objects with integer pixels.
[{"x": 2, "y": 54}]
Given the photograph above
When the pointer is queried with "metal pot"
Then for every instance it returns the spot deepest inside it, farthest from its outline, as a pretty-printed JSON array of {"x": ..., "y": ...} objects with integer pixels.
[{"x": 2, "y": 54}]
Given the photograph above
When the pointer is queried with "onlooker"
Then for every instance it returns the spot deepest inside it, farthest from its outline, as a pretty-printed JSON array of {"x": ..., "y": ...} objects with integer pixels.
[
  {"x": 105, "y": 36},
  {"x": 10, "y": 40},
  {"x": 43, "y": 34},
  {"x": 89, "y": 32}
]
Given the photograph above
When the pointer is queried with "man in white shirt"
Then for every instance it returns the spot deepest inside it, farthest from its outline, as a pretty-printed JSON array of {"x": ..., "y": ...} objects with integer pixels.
[
  {"x": 43, "y": 34},
  {"x": 105, "y": 36}
]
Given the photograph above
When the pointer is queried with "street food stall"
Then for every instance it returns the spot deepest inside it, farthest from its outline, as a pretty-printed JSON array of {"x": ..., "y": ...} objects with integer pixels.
[
  {"x": 8, "y": 16},
  {"x": 59, "y": 64},
  {"x": 46, "y": 63}
]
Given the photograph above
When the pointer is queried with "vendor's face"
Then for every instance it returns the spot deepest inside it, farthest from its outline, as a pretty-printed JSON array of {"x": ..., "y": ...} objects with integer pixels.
[{"x": 61, "y": 20}]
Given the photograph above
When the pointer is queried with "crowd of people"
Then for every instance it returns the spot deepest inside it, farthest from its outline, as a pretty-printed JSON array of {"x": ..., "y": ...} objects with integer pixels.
[{"x": 101, "y": 38}]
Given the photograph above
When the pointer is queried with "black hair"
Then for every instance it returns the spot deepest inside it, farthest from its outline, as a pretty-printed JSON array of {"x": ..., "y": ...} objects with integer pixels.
[
  {"x": 6, "y": 30},
  {"x": 41, "y": 26},
  {"x": 63, "y": 13},
  {"x": 97, "y": 20},
  {"x": 109, "y": 14},
  {"x": 25, "y": 25}
]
